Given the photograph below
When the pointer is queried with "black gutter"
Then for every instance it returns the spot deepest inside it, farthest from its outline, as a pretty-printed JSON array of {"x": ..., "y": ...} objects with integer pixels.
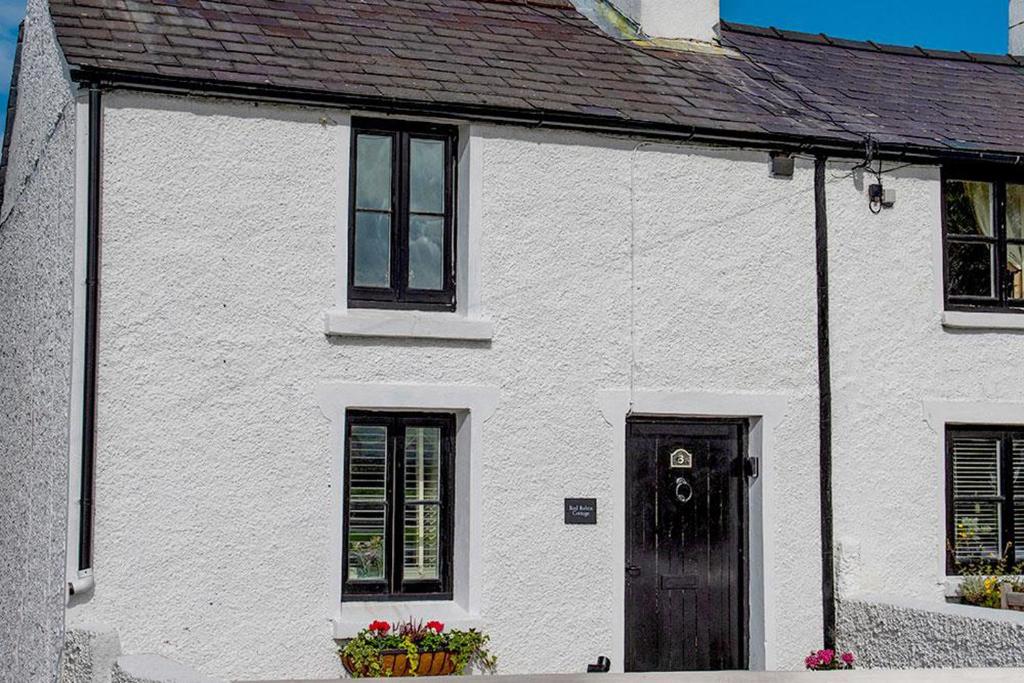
[
  {"x": 92, "y": 268},
  {"x": 841, "y": 145},
  {"x": 828, "y": 588}
]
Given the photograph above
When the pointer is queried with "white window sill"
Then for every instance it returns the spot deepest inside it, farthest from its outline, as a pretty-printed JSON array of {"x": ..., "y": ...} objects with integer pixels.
[
  {"x": 966, "y": 320},
  {"x": 355, "y": 616},
  {"x": 408, "y": 324}
]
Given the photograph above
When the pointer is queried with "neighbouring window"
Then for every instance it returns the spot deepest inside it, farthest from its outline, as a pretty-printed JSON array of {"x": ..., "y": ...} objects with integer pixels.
[
  {"x": 984, "y": 496},
  {"x": 398, "y": 506},
  {"x": 401, "y": 223},
  {"x": 984, "y": 242}
]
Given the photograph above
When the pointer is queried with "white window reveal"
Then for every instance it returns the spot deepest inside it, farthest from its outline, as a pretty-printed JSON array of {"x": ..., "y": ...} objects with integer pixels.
[
  {"x": 407, "y": 540},
  {"x": 407, "y": 244}
]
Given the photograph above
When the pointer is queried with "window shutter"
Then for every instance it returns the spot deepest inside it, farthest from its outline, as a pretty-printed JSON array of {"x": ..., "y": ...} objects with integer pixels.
[
  {"x": 1018, "y": 498},
  {"x": 976, "y": 498}
]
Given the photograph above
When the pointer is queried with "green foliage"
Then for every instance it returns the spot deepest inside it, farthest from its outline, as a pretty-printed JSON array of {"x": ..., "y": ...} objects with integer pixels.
[
  {"x": 980, "y": 591},
  {"x": 984, "y": 579},
  {"x": 470, "y": 649},
  {"x": 467, "y": 648}
]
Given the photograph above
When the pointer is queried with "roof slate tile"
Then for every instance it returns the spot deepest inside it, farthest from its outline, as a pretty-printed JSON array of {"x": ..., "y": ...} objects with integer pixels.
[{"x": 538, "y": 56}]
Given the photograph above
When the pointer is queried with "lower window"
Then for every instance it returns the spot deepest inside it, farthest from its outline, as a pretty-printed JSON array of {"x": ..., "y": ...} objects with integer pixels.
[
  {"x": 985, "y": 497},
  {"x": 398, "y": 506}
]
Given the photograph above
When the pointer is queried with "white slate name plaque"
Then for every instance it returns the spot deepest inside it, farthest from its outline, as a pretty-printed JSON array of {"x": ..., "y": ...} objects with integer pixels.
[{"x": 581, "y": 510}]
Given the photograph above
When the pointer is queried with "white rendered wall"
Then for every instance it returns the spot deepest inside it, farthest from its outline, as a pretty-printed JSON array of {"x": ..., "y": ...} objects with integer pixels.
[
  {"x": 214, "y": 464},
  {"x": 898, "y": 374},
  {"x": 1016, "y": 27},
  {"x": 691, "y": 19}
]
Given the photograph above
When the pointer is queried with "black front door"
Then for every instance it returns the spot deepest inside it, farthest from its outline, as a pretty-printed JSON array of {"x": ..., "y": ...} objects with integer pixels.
[{"x": 686, "y": 583}]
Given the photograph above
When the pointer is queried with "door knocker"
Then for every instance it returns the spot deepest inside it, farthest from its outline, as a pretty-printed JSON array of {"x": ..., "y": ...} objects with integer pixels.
[{"x": 684, "y": 491}]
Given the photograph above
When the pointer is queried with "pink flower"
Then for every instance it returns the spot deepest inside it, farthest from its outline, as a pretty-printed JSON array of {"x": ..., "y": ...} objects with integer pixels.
[
  {"x": 826, "y": 656},
  {"x": 811, "y": 661},
  {"x": 847, "y": 658}
]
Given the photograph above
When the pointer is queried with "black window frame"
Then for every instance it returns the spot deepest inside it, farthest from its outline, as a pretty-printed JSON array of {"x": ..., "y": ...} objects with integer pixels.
[
  {"x": 999, "y": 179},
  {"x": 398, "y": 295},
  {"x": 1008, "y": 494},
  {"x": 393, "y": 587}
]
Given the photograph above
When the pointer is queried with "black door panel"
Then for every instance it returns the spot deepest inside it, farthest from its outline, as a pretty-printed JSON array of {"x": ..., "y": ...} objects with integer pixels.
[{"x": 686, "y": 590}]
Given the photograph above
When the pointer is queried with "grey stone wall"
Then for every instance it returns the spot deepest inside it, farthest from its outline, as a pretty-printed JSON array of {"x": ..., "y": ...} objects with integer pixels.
[
  {"x": 36, "y": 257},
  {"x": 951, "y": 636}
]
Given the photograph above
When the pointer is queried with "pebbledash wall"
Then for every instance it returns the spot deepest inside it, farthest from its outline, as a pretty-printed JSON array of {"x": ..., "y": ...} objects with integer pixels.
[
  {"x": 36, "y": 255},
  {"x": 217, "y": 476}
]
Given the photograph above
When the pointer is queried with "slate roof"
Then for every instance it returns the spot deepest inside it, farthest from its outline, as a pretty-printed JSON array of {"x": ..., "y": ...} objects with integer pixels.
[
  {"x": 540, "y": 60},
  {"x": 955, "y": 101}
]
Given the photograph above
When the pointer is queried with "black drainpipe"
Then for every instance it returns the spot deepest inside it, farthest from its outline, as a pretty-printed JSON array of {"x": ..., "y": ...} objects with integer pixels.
[
  {"x": 92, "y": 268},
  {"x": 828, "y": 588}
]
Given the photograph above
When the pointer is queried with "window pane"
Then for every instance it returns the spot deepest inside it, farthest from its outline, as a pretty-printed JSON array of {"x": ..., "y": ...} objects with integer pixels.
[
  {"x": 422, "y": 463},
  {"x": 970, "y": 269},
  {"x": 1015, "y": 212},
  {"x": 977, "y": 532},
  {"x": 1014, "y": 268},
  {"x": 367, "y": 463},
  {"x": 426, "y": 252},
  {"x": 366, "y": 537},
  {"x": 367, "y": 489},
  {"x": 373, "y": 172},
  {"x": 1018, "y": 497},
  {"x": 422, "y": 541},
  {"x": 373, "y": 250},
  {"x": 426, "y": 176},
  {"x": 975, "y": 466},
  {"x": 969, "y": 208}
]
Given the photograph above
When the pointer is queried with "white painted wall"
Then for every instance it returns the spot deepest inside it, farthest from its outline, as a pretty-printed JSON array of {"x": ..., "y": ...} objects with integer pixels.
[
  {"x": 690, "y": 19},
  {"x": 898, "y": 376},
  {"x": 1016, "y": 27},
  {"x": 215, "y": 474}
]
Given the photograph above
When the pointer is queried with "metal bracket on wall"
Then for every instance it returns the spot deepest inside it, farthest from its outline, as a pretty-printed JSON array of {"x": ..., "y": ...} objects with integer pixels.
[{"x": 752, "y": 469}]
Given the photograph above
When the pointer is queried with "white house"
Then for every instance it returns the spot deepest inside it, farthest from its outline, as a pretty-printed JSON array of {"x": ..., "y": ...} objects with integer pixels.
[{"x": 611, "y": 331}]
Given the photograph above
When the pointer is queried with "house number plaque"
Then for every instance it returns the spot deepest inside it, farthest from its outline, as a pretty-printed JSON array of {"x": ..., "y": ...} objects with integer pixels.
[
  {"x": 681, "y": 458},
  {"x": 581, "y": 511}
]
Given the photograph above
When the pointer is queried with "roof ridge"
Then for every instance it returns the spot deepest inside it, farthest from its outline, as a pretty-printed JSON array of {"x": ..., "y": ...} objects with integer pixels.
[{"x": 868, "y": 45}]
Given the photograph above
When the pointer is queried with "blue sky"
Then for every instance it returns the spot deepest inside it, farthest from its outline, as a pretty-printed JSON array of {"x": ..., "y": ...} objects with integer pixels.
[
  {"x": 978, "y": 26},
  {"x": 11, "y": 12}
]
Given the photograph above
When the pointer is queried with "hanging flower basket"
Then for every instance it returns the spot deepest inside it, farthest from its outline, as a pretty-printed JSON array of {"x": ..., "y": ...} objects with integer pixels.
[
  {"x": 414, "y": 649},
  {"x": 397, "y": 663}
]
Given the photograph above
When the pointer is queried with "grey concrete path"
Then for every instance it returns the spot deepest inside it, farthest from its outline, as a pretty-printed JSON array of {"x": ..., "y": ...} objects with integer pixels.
[{"x": 865, "y": 676}]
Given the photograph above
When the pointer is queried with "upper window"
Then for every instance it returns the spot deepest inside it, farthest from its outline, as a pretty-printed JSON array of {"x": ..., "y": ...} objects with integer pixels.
[
  {"x": 401, "y": 235},
  {"x": 984, "y": 496},
  {"x": 398, "y": 506},
  {"x": 984, "y": 242}
]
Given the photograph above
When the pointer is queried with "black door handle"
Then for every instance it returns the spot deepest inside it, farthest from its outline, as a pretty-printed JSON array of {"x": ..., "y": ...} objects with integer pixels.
[{"x": 632, "y": 570}]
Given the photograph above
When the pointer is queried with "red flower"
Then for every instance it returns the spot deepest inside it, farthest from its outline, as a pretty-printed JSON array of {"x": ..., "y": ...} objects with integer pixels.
[
  {"x": 380, "y": 627},
  {"x": 435, "y": 626}
]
